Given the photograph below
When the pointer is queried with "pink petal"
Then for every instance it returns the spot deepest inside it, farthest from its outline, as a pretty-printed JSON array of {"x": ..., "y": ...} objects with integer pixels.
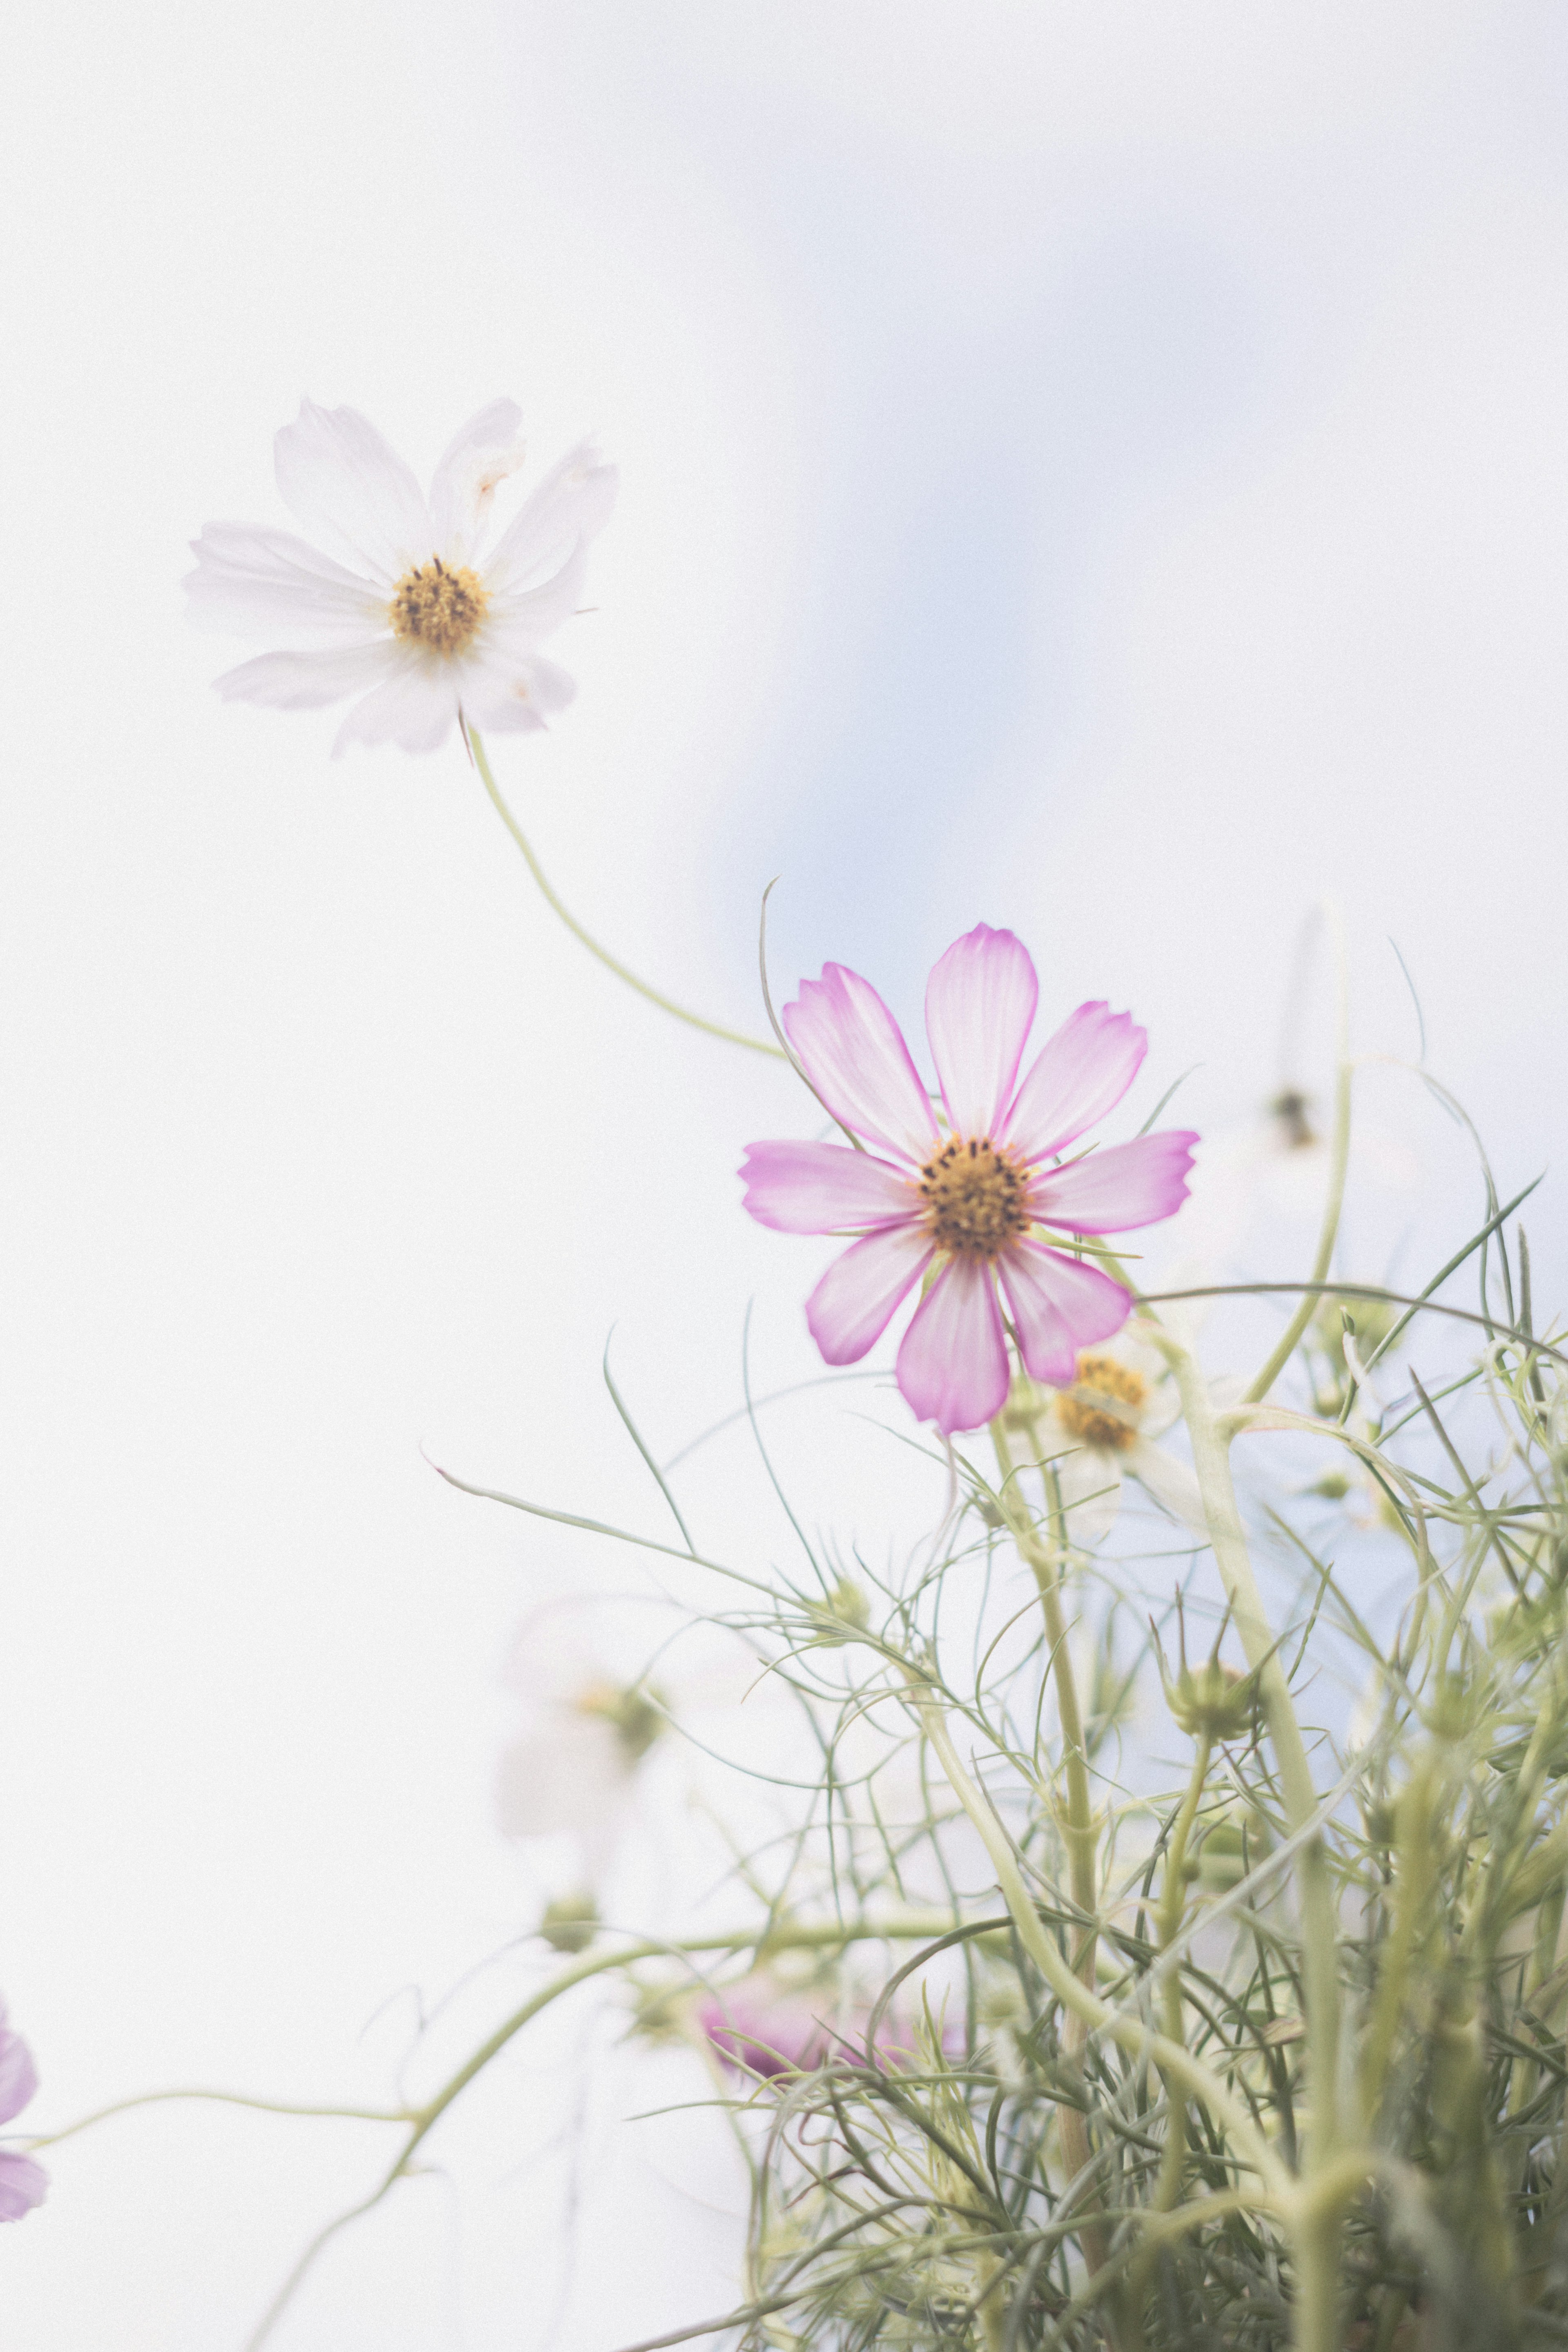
[
  {"x": 979, "y": 1003},
  {"x": 823, "y": 1188},
  {"x": 18, "y": 2076},
  {"x": 1131, "y": 1185},
  {"x": 1059, "y": 1306},
  {"x": 853, "y": 1304},
  {"x": 341, "y": 479},
  {"x": 23, "y": 2185},
  {"x": 855, "y": 1056},
  {"x": 1076, "y": 1078},
  {"x": 953, "y": 1365}
]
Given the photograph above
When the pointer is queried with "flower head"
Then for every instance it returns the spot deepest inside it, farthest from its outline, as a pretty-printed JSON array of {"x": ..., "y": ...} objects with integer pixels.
[
  {"x": 1098, "y": 1430},
  {"x": 423, "y": 621},
  {"x": 584, "y": 1727},
  {"x": 23, "y": 2182},
  {"x": 961, "y": 1197}
]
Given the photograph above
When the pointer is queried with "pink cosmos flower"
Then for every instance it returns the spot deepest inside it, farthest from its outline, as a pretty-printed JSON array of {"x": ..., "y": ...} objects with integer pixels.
[
  {"x": 964, "y": 1194},
  {"x": 22, "y": 2183}
]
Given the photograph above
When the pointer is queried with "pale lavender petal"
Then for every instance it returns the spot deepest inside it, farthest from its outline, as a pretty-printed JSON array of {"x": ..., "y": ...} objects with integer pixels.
[
  {"x": 571, "y": 504},
  {"x": 512, "y": 693},
  {"x": 979, "y": 1003},
  {"x": 18, "y": 2075},
  {"x": 1059, "y": 1305},
  {"x": 478, "y": 457},
  {"x": 519, "y": 618},
  {"x": 416, "y": 707},
  {"x": 1130, "y": 1184},
  {"x": 23, "y": 2185},
  {"x": 854, "y": 1053},
  {"x": 953, "y": 1365},
  {"x": 341, "y": 479},
  {"x": 854, "y": 1303},
  {"x": 253, "y": 582},
  {"x": 764, "y": 2037},
  {"x": 823, "y": 1188},
  {"x": 309, "y": 682},
  {"x": 1075, "y": 1078}
]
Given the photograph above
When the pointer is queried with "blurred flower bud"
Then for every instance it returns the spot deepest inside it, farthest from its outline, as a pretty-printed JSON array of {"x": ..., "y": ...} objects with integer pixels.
[{"x": 571, "y": 1923}]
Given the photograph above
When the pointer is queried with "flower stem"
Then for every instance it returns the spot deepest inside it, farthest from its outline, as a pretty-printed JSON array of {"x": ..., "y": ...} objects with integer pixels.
[{"x": 610, "y": 962}]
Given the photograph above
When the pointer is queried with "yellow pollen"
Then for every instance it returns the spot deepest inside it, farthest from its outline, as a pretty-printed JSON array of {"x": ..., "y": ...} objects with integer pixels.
[
  {"x": 439, "y": 605},
  {"x": 1109, "y": 1382},
  {"x": 974, "y": 1194}
]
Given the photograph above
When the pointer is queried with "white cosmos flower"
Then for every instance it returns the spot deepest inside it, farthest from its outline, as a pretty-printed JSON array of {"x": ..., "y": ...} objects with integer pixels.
[
  {"x": 1090, "y": 1436},
  {"x": 583, "y": 1727},
  {"x": 419, "y": 621}
]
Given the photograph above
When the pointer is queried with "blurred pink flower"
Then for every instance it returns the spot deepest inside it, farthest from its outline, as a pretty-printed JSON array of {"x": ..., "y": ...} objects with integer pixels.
[
  {"x": 424, "y": 621},
  {"x": 22, "y": 2183},
  {"x": 763, "y": 2029},
  {"x": 964, "y": 1197}
]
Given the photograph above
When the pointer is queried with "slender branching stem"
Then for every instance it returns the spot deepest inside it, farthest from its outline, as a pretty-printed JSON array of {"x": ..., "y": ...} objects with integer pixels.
[{"x": 610, "y": 962}]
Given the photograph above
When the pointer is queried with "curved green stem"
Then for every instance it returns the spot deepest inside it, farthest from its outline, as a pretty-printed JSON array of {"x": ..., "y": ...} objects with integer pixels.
[
  {"x": 1339, "y": 1160},
  {"x": 610, "y": 962}
]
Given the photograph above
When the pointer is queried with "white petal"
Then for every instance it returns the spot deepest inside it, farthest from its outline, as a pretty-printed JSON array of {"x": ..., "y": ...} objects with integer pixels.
[
  {"x": 307, "y": 681},
  {"x": 477, "y": 457},
  {"x": 268, "y": 583},
  {"x": 340, "y": 480},
  {"x": 570, "y": 505},
  {"x": 570, "y": 1774},
  {"x": 512, "y": 694},
  {"x": 1088, "y": 1480},
  {"x": 1170, "y": 1482},
  {"x": 415, "y": 707}
]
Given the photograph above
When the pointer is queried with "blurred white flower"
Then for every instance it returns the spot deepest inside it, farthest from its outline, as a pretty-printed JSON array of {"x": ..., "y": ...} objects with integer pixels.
[
  {"x": 583, "y": 1730},
  {"x": 1091, "y": 1436},
  {"x": 426, "y": 624},
  {"x": 1275, "y": 1166}
]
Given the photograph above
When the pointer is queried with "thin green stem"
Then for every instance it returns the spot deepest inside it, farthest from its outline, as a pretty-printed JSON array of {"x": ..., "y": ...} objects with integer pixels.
[
  {"x": 1172, "y": 1910},
  {"x": 1338, "y": 1160},
  {"x": 610, "y": 962}
]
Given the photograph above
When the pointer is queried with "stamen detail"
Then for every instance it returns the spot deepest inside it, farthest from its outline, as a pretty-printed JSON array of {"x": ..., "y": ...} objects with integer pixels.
[
  {"x": 1088, "y": 1417},
  {"x": 439, "y": 605},
  {"x": 974, "y": 1190}
]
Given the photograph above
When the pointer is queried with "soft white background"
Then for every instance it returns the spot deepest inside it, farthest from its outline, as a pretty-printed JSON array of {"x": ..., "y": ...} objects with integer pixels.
[{"x": 1094, "y": 467}]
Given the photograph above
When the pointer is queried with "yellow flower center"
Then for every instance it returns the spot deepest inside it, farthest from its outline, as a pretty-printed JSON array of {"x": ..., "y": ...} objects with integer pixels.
[
  {"x": 973, "y": 1190},
  {"x": 634, "y": 1715},
  {"x": 438, "y": 607},
  {"x": 1089, "y": 1417}
]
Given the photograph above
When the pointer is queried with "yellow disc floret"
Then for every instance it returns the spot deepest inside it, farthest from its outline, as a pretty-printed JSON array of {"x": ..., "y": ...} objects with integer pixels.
[
  {"x": 439, "y": 605},
  {"x": 1089, "y": 1410},
  {"x": 974, "y": 1195}
]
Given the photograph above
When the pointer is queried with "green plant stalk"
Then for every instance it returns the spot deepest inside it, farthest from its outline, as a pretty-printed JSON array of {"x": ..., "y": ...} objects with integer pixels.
[
  {"x": 1082, "y": 1837},
  {"x": 610, "y": 962},
  {"x": 1338, "y": 1160},
  {"x": 1316, "y": 2325},
  {"x": 1172, "y": 1910},
  {"x": 1250, "y": 2147}
]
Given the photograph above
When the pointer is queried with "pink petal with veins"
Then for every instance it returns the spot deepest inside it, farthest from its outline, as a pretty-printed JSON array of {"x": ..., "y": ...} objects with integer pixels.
[
  {"x": 1075, "y": 1078},
  {"x": 980, "y": 1004},
  {"x": 823, "y": 1188},
  {"x": 1059, "y": 1306},
  {"x": 953, "y": 1365},
  {"x": 1134, "y": 1184},
  {"x": 854, "y": 1053},
  {"x": 853, "y": 1304}
]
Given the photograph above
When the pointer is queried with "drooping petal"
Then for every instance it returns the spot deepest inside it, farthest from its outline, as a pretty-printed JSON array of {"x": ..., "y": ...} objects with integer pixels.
[
  {"x": 1130, "y": 1184},
  {"x": 254, "y": 582},
  {"x": 1170, "y": 1482},
  {"x": 415, "y": 707},
  {"x": 953, "y": 1365},
  {"x": 18, "y": 2075},
  {"x": 980, "y": 1003},
  {"x": 569, "y": 506},
  {"x": 1059, "y": 1305},
  {"x": 1075, "y": 1078},
  {"x": 571, "y": 1772},
  {"x": 854, "y": 1053},
  {"x": 479, "y": 455},
  {"x": 340, "y": 478},
  {"x": 823, "y": 1188},
  {"x": 507, "y": 692},
  {"x": 854, "y": 1303},
  {"x": 24, "y": 2183},
  {"x": 309, "y": 682}
]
